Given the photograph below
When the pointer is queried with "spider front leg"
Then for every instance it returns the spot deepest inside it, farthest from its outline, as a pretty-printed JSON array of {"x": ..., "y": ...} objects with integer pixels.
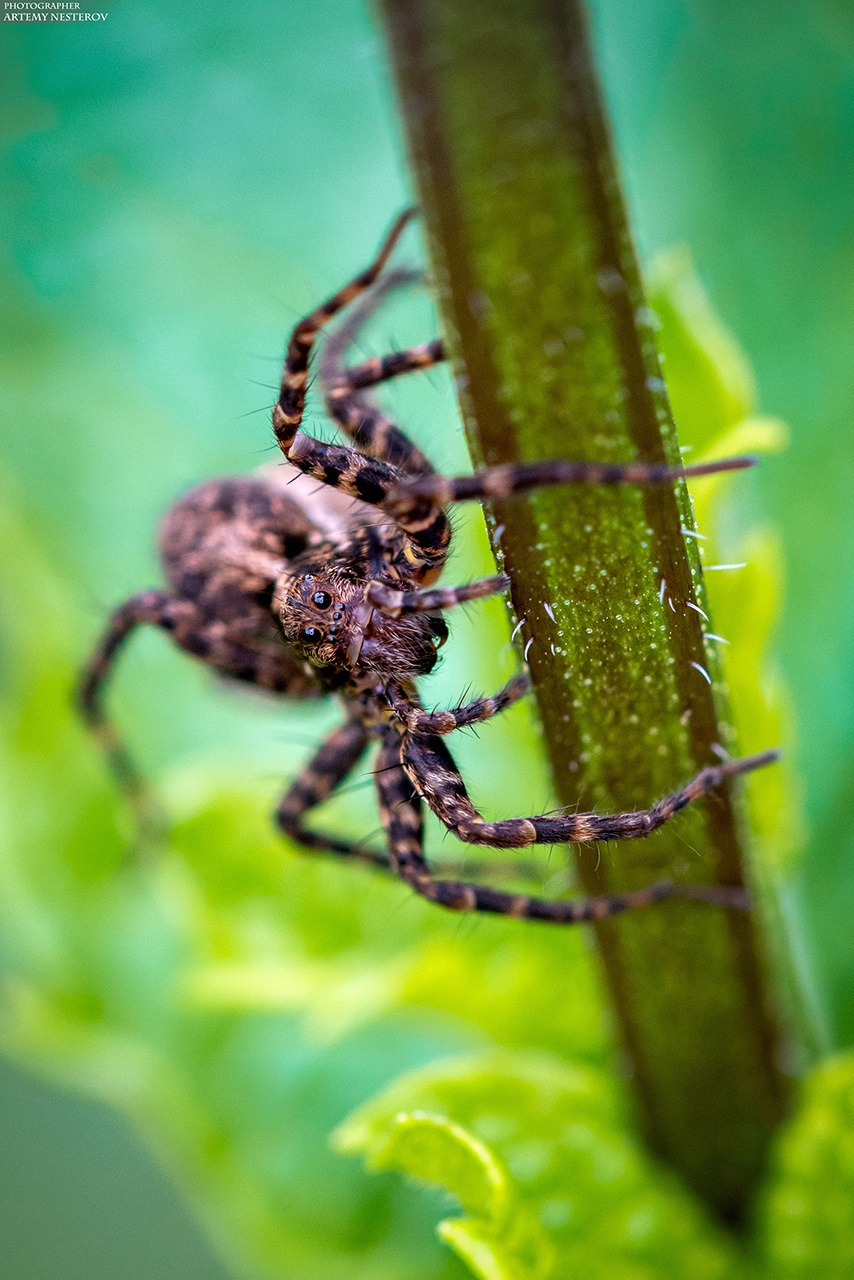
[
  {"x": 400, "y": 804},
  {"x": 420, "y": 494},
  {"x": 432, "y": 770},
  {"x": 433, "y": 774},
  {"x": 370, "y": 373},
  {"x": 394, "y": 603},
  {"x": 372, "y": 430},
  {"x": 289, "y": 408},
  {"x": 427, "y": 723},
  {"x": 332, "y": 764}
]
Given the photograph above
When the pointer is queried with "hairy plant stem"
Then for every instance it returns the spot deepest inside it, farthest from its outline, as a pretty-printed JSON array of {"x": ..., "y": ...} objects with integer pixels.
[{"x": 555, "y": 355}]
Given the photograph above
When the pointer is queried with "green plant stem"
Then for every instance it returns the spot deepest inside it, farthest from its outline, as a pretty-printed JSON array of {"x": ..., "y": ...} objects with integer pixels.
[{"x": 543, "y": 309}]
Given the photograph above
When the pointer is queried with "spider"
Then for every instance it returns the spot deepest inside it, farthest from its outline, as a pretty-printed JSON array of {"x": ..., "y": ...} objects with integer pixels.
[{"x": 310, "y": 591}]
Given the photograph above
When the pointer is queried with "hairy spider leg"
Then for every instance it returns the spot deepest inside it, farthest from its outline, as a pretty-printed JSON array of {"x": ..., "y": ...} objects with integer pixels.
[
  {"x": 401, "y": 808},
  {"x": 427, "y": 723},
  {"x": 372, "y": 481},
  {"x": 371, "y": 430},
  {"x": 370, "y": 373},
  {"x": 394, "y": 603},
  {"x": 517, "y": 477},
  {"x": 267, "y": 664},
  {"x": 152, "y": 608},
  {"x": 418, "y": 505},
  {"x": 432, "y": 771},
  {"x": 331, "y": 765},
  {"x": 369, "y": 479},
  {"x": 289, "y": 408}
]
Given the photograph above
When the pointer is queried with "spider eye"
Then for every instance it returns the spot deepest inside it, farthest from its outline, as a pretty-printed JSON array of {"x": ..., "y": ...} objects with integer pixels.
[
  {"x": 321, "y": 600},
  {"x": 439, "y": 630},
  {"x": 310, "y": 635}
]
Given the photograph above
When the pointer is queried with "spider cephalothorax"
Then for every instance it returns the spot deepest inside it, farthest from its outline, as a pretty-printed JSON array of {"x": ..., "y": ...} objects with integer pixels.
[
  {"x": 306, "y": 589},
  {"x": 325, "y": 615}
]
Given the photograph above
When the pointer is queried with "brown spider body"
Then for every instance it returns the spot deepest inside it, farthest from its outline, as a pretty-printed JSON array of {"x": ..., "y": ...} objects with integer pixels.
[{"x": 319, "y": 578}]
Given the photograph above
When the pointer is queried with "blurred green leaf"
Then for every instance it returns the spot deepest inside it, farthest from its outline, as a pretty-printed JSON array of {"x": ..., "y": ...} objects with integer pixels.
[
  {"x": 539, "y": 1156},
  {"x": 714, "y": 400},
  {"x": 709, "y": 379},
  {"x": 807, "y": 1217}
]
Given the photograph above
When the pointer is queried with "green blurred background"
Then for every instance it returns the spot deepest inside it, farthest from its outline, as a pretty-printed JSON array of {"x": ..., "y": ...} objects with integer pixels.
[{"x": 178, "y": 185}]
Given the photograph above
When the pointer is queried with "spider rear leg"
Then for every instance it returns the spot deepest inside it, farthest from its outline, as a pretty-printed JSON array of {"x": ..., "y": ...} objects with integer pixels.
[
  {"x": 400, "y": 804},
  {"x": 427, "y": 723},
  {"x": 152, "y": 608},
  {"x": 335, "y": 760},
  {"x": 289, "y": 408}
]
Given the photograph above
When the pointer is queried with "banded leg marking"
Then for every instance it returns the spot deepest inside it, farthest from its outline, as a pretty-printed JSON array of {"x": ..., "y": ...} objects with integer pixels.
[
  {"x": 331, "y": 768},
  {"x": 433, "y": 772},
  {"x": 418, "y": 494},
  {"x": 370, "y": 373},
  {"x": 371, "y": 429},
  {"x": 400, "y": 803},
  {"x": 373, "y": 480},
  {"x": 288, "y": 410},
  {"x": 427, "y": 723},
  {"x": 153, "y": 608},
  {"x": 335, "y": 760},
  {"x": 394, "y": 603}
]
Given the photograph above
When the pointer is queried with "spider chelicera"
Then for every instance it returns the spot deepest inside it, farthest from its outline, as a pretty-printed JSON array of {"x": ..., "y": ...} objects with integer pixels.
[{"x": 307, "y": 590}]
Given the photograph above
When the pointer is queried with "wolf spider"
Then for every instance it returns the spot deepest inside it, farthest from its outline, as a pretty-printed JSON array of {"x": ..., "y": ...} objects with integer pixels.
[{"x": 307, "y": 594}]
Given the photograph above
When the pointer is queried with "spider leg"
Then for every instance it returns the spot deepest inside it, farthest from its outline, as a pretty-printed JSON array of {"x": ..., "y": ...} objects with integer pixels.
[
  {"x": 337, "y": 758},
  {"x": 236, "y": 648},
  {"x": 334, "y": 761},
  {"x": 372, "y": 430},
  {"x": 370, "y": 479},
  {"x": 154, "y": 608},
  {"x": 418, "y": 504},
  {"x": 400, "y": 804},
  {"x": 394, "y": 603},
  {"x": 427, "y": 528},
  {"x": 421, "y": 493},
  {"x": 427, "y": 723},
  {"x": 382, "y": 368},
  {"x": 432, "y": 770},
  {"x": 288, "y": 410}
]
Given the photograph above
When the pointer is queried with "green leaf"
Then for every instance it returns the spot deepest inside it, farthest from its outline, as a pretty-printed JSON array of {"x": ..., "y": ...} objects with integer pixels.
[
  {"x": 539, "y": 1155},
  {"x": 709, "y": 379},
  {"x": 807, "y": 1218}
]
